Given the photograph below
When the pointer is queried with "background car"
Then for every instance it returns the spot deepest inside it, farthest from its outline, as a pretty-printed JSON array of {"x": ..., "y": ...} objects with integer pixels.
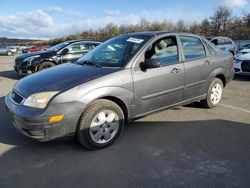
[
  {"x": 225, "y": 44},
  {"x": 246, "y": 46},
  {"x": 242, "y": 52},
  {"x": 242, "y": 64},
  {"x": 7, "y": 51},
  {"x": 31, "y": 49},
  {"x": 66, "y": 52}
]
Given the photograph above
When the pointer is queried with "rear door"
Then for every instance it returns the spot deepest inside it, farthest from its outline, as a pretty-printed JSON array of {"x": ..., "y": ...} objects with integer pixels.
[
  {"x": 76, "y": 50},
  {"x": 158, "y": 88},
  {"x": 198, "y": 66}
]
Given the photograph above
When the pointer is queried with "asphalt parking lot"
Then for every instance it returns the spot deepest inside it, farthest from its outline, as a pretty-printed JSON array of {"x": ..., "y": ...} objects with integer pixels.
[{"x": 183, "y": 147}]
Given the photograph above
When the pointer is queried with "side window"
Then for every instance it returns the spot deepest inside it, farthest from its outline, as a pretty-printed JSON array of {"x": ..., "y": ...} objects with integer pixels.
[
  {"x": 164, "y": 50},
  {"x": 210, "y": 49},
  {"x": 221, "y": 42},
  {"x": 78, "y": 47},
  {"x": 215, "y": 42},
  {"x": 192, "y": 48},
  {"x": 228, "y": 41},
  {"x": 93, "y": 45}
]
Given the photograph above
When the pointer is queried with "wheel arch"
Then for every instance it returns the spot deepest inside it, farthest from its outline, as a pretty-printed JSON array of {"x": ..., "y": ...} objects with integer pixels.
[
  {"x": 222, "y": 78},
  {"x": 123, "y": 97},
  {"x": 45, "y": 60},
  {"x": 120, "y": 103}
]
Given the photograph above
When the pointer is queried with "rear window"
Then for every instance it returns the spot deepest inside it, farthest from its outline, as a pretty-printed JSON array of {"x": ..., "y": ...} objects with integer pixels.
[{"x": 192, "y": 48}]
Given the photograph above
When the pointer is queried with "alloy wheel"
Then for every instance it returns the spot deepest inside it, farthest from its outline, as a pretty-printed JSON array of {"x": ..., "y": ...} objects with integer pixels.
[
  {"x": 104, "y": 126},
  {"x": 216, "y": 94}
]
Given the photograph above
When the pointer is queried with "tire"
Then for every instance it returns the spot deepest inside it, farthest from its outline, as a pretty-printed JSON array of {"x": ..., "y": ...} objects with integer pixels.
[
  {"x": 100, "y": 124},
  {"x": 214, "y": 94},
  {"x": 9, "y": 53},
  {"x": 46, "y": 65}
]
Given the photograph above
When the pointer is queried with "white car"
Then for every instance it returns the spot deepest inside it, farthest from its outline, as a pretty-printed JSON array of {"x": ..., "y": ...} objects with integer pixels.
[
  {"x": 242, "y": 52},
  {"x": 224, "y": 43},
  {"x": 242, "y": 64}
]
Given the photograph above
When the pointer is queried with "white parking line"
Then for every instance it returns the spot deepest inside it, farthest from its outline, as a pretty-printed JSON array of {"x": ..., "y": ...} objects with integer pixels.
[{"x": 236, "y": 108}]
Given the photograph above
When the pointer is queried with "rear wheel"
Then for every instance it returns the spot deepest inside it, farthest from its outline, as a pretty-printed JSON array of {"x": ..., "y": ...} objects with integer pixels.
[
  {"x": 46, "y": 65},
  {"x": 100, "y": 125},
  {"x": 214, "y": 94}
]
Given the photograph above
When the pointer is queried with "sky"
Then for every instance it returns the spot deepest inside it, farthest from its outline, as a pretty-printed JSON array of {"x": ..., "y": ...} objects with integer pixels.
[{"x": 47, "y": 19}]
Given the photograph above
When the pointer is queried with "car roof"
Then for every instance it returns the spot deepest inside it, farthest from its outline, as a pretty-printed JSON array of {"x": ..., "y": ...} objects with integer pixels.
[
  {"x": 220, "y": 37},
  {"x": 81, "y": 40},
  {"x": 156, "y": 33}
]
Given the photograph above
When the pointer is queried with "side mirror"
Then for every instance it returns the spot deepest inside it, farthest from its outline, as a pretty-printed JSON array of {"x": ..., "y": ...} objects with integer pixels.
[
  {"x": 65, "y": 51},
  {"x": 150, "y": 64}
]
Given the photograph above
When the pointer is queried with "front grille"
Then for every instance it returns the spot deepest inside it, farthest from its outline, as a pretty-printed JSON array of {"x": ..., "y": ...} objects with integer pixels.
[
  {"x": 18, "y": 61},
  {"x": 245, "y": 66},
  {"x": 17, "y": 98},
  {"x": 236, "y": 70}
]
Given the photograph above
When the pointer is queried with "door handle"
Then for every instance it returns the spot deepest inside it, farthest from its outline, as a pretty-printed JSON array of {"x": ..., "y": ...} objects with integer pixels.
[
  {"x": 207, "y": 62},
  {"x": 175, "y": 71}
]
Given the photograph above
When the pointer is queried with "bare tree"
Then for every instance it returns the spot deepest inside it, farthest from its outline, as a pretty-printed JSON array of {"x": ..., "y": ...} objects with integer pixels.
[{"x": 221, "y": 20}]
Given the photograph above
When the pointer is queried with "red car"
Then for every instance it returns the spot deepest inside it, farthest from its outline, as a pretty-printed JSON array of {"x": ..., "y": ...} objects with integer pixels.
[{"x": 31, "y": 49}]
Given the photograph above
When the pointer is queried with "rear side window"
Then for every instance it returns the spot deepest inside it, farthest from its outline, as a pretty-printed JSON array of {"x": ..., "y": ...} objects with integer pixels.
[
  {"x": 221, "y": 41},
  {"x": 210, "y": 49},
  {"x": 192, "y": 48},
  {"x": 228, "y": 41},
  {"x": 78, "y": 47},
  {"x": 215, "y": 42},
  {"x": 93, "y": 45}
]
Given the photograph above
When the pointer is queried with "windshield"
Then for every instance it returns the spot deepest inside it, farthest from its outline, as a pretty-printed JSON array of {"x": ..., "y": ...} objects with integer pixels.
[
  {"x": 59, "y": 46},
  {"x": 115, "y": 52}
]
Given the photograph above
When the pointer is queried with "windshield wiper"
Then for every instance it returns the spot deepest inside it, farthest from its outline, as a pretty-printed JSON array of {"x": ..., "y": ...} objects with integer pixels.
[{"x": 90, "y": 63}]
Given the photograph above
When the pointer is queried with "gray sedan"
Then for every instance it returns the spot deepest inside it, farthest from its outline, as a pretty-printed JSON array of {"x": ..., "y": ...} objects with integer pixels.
[{"x": 123, "y": 79}]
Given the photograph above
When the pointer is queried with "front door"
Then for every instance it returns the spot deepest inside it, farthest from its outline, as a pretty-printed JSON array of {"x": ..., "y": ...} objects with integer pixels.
[{"x": 161, "y": 87}]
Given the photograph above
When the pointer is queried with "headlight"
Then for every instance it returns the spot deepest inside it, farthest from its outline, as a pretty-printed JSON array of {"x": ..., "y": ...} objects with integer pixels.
[
  {"x": 237, "y": 61},
  {"x": 29, "y": 59},
  {"x": 39, "y": 100}
]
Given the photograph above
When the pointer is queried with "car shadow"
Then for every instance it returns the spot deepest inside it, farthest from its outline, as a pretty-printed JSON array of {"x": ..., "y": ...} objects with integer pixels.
[
  {"x": 148, "y": 154},
  {"x": 11, "y": 75},
  {"x": 242, "y": 77}
]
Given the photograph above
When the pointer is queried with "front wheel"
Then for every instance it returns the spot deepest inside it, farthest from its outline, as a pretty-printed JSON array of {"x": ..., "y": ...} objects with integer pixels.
[
  {"x": 46, "y": 65},
  {"x": 100, "y": 124},
  {"x": 9, "y": 53},
  {"x": 214, "y": 94}
]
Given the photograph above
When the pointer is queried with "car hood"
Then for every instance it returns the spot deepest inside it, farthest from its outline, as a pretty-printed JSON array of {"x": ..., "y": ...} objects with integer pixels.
[
  {"x": 245, "y": 51},
  {"x": 60, "y": 78},
  {"x": 244, "y": 57},
  {"x": 41, "y": 53}
]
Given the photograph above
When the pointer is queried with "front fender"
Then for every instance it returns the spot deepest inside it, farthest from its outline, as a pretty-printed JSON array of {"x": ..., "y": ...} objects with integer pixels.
[{"x": 123, "y": 94}]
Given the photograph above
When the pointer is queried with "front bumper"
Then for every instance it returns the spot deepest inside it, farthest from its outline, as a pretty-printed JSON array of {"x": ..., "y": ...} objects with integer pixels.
[
  {"x": 29, "y": 69},
  {"x": 39, "y": 130},
  {"x": 238, "y": 69},
  {"x": 34, "y": 123}
]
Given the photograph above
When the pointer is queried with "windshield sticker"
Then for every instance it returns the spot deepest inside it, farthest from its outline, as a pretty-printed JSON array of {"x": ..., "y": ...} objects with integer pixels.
[{"x": 135, "y": 40}]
